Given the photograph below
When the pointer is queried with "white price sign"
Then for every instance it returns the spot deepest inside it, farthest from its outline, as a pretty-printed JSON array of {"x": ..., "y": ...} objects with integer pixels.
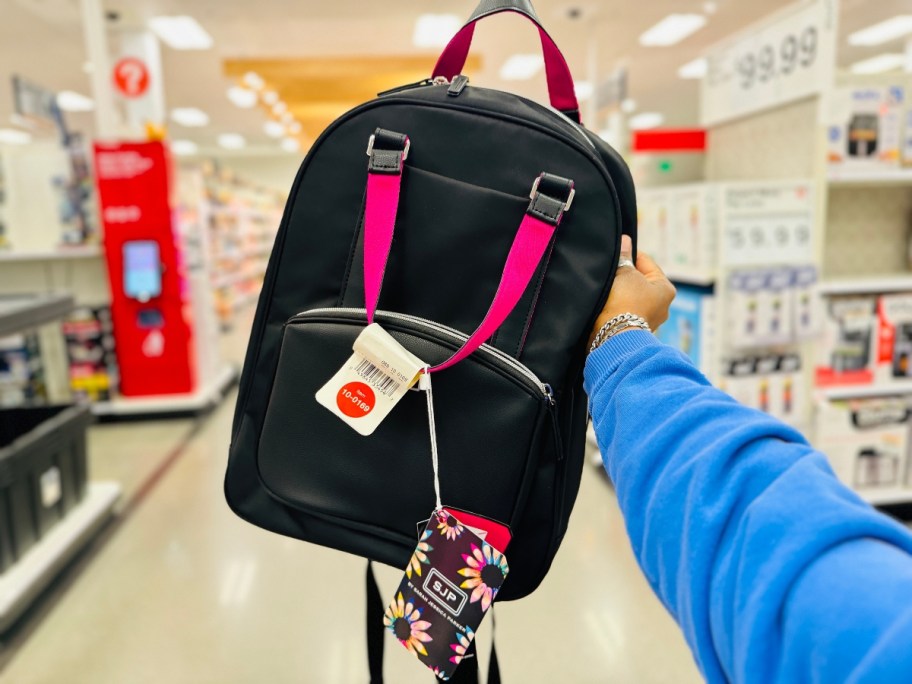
[
  {"x": 767, "y": 223},
  {"x": 784, "y": 58}
]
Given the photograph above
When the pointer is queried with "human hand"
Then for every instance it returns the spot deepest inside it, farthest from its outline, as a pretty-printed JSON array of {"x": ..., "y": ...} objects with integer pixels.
[{"x": 644, "y": 291}]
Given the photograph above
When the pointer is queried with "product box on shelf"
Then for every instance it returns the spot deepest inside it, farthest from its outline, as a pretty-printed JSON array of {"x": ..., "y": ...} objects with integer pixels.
[
  {"x": 90, "y": 349},
  {"x": 22, "y": 379},
  {"x": 771, "y": 383},
  {"x": 806, "y": 306},
  {"x": 691, "y": 325},
  {"x": 894, "y": 337},
  {"x": 692, "y": 229},
  {"x": 866, "y": 440},
  {"x": 652, "y": 224},
  {"x": 849, "y": 334},
  {"x": 866, "y": 127}
]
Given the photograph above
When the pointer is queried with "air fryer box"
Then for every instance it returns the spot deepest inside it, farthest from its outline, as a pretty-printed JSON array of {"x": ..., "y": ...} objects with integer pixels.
[
  {"x": 894, "y": 338},
  {"x": 846, "y": 352},
  {"x": 865, "y": 127},
  {"x": 866, "y": 440}
]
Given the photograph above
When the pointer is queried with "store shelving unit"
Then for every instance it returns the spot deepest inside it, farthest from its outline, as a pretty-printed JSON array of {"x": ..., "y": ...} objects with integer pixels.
[
  {"x": 35, "y": 570},
  {"x": 861, "y": 218},
  {"x": 203, "y": 399},
  {"x": 28, "y": 577},
  {"x": 21, "y": 312},
  {"x": 62, "y": 254}
]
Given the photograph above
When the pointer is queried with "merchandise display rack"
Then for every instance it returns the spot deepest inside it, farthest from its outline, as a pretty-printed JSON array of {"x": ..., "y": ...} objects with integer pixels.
[
  {"x": 27, "y": 577},
  {"x": 21, "y": 312},
  {"x": 860, "y": 234},
  {"x": 200, "y": 401}
]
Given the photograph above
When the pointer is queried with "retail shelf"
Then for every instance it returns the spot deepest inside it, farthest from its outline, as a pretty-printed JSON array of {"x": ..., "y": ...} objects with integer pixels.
[
  {"x": 883, "y": 389},
  {"x": 887, "y": 496},
  {"x": 901, "y": 282},
  {"x": 20, "y": 312},
  {"x": 699, "y": 279},
  {"x": 848, "y": 177},
  {"x": 32, "y": 573},
  {"x": 194, "y": 402},
  {"x": 61, "y": 254}
]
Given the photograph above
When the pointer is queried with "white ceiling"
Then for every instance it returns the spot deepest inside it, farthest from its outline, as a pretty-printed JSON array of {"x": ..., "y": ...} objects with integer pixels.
[{"x": 42, "y": 40}]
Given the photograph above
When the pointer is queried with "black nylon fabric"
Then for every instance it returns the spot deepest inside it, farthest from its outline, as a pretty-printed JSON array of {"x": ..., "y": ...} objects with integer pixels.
[{"x": 471, "y": 165}]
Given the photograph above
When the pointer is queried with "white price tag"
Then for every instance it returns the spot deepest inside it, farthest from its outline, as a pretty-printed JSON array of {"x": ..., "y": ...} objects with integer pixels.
[
  {"x": 373, "y": 380},
  {"x": 767, "y": 223},
  {"x": 786, "y": 57}
]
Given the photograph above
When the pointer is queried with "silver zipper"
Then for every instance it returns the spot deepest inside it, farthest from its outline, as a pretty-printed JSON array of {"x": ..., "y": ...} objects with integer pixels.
[
  {"x": 486, "y": 348},
  {"x": 573, "y": 123}
]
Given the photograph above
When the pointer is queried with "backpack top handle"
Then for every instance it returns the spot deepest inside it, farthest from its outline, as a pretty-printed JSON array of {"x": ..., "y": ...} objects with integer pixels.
[{"x": 560, "y": 81}]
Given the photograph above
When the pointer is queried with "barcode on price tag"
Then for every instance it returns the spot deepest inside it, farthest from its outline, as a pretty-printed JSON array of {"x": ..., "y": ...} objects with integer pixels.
[
  {"x": 373, "y": 380},
  {"x": 380, "y": 380}
]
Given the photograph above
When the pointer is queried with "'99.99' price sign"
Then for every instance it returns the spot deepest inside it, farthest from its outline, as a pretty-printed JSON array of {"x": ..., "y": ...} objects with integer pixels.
[{"x": 784, "y": 58}]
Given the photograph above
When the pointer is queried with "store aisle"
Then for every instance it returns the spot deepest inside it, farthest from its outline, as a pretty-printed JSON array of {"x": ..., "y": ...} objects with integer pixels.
[{"x": 184, "y": 592}]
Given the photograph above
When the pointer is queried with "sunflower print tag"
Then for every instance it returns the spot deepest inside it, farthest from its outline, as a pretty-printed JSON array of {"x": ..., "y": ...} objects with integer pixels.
[{"x": 450, "y": 582}]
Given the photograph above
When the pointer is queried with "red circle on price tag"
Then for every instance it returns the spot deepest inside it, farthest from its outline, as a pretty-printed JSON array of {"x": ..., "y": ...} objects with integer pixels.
[
  {"x": 355, "y": 399},
  {"x": 131, "y": 77}
]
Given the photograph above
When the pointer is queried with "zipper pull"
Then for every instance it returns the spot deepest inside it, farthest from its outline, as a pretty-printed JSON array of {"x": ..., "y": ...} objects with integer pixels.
[
  {"x": 458, "y": 85},
  {"x": 549, "y": 393}
]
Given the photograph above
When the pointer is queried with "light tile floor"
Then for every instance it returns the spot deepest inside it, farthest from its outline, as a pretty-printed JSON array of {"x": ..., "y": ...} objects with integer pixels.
[{"x": 179, "y": 590}]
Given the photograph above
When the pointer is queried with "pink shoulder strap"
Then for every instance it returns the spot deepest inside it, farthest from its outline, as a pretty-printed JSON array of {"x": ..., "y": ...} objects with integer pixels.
[{"x": 550, "y": 198}]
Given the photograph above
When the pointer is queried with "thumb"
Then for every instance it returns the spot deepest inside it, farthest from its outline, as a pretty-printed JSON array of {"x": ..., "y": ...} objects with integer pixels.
[{"x": 626, "y": 247}]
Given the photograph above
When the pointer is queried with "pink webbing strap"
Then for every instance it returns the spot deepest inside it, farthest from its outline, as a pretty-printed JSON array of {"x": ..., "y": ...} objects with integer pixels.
[
  {"x": 380, "y": 204},
  {"x": 560, "y": 81},
  {"x": 529, "y": 245}
]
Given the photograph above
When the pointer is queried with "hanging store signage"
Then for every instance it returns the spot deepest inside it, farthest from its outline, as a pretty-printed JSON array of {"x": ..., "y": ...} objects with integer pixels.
[
  {"x": 784, "y": 58},
  {"x": 131, "y": 77},
  {"x": 767, "y": 223}
]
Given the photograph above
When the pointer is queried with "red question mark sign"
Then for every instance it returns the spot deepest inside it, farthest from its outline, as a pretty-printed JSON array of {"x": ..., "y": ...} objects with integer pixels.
[{"x": 131, "y": 77}]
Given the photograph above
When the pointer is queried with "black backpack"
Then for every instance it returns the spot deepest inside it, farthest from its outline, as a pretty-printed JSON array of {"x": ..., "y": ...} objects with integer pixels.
[{"x": 473, "y": 169}]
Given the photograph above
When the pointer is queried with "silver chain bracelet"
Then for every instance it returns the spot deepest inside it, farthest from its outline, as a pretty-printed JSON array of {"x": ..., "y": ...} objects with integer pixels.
[{"x": 616, "y": 325}]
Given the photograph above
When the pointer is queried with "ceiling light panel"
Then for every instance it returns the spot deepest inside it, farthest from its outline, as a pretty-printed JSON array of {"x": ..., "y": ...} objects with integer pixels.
[
  {"x": 231, "y": 141},
  {"x": 521, "y": 67},
  {"x": 583, "y": 90},
  {"x": 290, "y": 144},
  {"x": 181, "y": 32},
  {"x": 435, "y": 30},
  {"x": 672, "y": 30},
  {"x": 70, "y": 101},
  {"x": 879, "y": 64},
  {"x": 884, "y": 32},
  {"x": 242, "y": 97},
  {"x": 693, "y": 69},
  {"x": 190, "y": 117},
  {"x": 184, "y": 147},
  {"x": 274, "y": 129},
  {"x": 645, "y": 120}
]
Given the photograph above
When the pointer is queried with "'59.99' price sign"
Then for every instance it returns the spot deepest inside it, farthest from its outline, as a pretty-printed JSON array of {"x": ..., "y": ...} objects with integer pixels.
[{"x": 784, "y": 58}]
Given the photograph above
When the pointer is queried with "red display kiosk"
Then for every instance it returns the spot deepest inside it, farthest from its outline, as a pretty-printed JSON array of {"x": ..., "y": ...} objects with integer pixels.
[{"x": 150, "y": 307}]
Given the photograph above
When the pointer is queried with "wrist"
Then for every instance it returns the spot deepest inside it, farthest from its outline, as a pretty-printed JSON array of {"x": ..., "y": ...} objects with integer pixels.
[{"x": 616, "y": 325}]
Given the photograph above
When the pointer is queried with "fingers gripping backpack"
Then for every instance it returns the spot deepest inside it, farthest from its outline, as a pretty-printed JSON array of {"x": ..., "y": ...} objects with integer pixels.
[{"x": 482, "y": 231}]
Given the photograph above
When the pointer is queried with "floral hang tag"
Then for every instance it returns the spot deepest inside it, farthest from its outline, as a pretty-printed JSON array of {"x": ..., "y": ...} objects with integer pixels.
[{"x": 450, "y": 583}]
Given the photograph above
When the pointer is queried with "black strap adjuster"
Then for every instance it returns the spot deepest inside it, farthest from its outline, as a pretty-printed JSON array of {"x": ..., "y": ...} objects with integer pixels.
[
  {"x": 551, "y": 196},
  {"x": 387, "y": 150}
]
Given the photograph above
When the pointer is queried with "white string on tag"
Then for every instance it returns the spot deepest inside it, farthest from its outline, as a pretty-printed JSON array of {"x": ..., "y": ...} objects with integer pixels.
[{"x": 424, "y": 384}]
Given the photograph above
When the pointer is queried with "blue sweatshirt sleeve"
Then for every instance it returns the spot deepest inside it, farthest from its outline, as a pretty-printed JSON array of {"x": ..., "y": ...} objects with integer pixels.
[{"x": 775, "y": 571}]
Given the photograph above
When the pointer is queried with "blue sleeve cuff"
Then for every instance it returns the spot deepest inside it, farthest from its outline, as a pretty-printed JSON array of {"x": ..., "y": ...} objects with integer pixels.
[{"x": 612, "y": 353}]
